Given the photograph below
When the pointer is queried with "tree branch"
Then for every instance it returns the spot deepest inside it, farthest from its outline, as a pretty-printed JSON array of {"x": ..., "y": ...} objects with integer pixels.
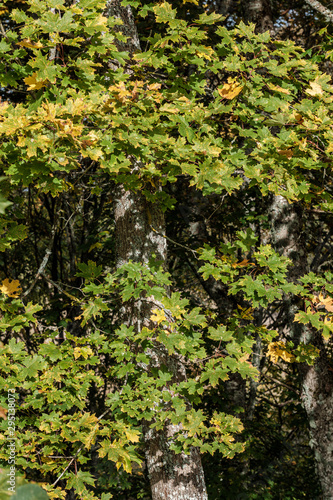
[
  {"x": 44, "y": 261},
  {"x": 328, "y": 14}
]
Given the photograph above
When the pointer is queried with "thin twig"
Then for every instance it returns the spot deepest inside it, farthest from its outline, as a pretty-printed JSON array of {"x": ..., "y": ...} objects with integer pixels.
[
  {"x": 277, "y": 405},
  {"x": 60, "y": 289},
  {"x": 174, "y": 242},
  {"x": 216, "y": 209},
  {"x": 282, "y": 383},
  {"x": 81, "y": 447},
  {"x": 44, "y": 262},
  {"x": 2, "y": 29}
]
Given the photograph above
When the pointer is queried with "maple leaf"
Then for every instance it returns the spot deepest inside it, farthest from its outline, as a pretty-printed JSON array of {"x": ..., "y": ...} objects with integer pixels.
[
  {"x": 85, "y": 352},
  {"x": 205, "y": 52},
  {"x": 11, "y": 288},
  {"x": 132, "y": 435},
  {"x": 121, "y": 90},
  {"x": 30, "y": 45},
  {"x": 244, "y": 263},
  {"x": 158, "y": 316},
  {"x": 277, "y": 88},
  {"x": 230, "y": 89},
  {"x": 315, "y": 89},
  {"x": 326, "y": 302},
  {"x": 33, "y": 82},
  {"x": 278, "y": 350}
]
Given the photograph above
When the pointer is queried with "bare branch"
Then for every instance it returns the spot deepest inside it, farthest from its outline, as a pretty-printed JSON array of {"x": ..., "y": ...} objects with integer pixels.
[
  {"x": 328, "y": 14},
  {"x": 44, "y": 262}
]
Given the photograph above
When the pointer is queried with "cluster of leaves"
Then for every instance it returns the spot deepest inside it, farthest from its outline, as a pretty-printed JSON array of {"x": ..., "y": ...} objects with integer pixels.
[
  {"x": 267, "y": 124},
  {"x": 74, "y": 112}
]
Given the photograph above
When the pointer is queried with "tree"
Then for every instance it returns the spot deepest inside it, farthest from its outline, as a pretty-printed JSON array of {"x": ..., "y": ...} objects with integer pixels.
[{"x": 101, "y": 375}]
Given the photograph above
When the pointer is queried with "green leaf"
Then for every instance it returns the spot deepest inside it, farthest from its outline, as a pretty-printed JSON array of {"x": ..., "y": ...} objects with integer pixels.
[{"x": 89, "y": 271}]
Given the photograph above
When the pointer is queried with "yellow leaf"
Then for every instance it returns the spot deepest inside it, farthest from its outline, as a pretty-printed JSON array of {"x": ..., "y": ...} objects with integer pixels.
[
  {"x": 82, "y": 351},
  {"x": 3, "y": 106},
  {"x": 30, "y": 45},
  {"x": 214, "y": 150},
  {"x": 329, "y": 323},
  {"x": 21, "y": 141},
  {"x": 244, "y": 263},
  {"x": 287, "y": 357},
  {"x": 277, "y": 88},
  {"x": 154, "y": 86},
  {"x": 101, "y": 20},
  {"x": 196, "y": 2},
  {"x": 121, "y": 90},
  {"x": 315, "y": 89},
  {"x": 327, "y": 303},
  {"x": 230, "y": 89},
  {"x": 329, "y": 148},
  {"x": 246, "y": 313},
  {"x": 132, "y": 435},
  {"x": 169, "y": 108},
  {"x": 158, "y": 316},
  {"x": 206, "y": 53},
  {"x": 33, "y": 83},
  {"x": 77, "y": 352},
  {"x": 278, "y": 350},
  {"x": 50, "y": 111},
  {"x": 11, "y": 288}
]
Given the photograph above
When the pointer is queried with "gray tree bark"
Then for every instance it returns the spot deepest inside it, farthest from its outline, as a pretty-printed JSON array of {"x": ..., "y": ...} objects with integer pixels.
[
  {"x": 172, "y": 476},
  {"x": 317, "y": 380}
]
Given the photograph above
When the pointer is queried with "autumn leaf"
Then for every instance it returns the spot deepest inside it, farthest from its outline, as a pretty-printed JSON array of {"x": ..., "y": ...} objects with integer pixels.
[
  {"x": 278, "y": 350},
  {"x": 329, "y": 148},
  {"x": 30, "y": 45},
  {"x": 288, "y": 153},
  {"x": 315, "y": 89},
  {"x": 244, "y": 263},
  {"x": 85, "y": 352},
  {"x": 326, "y": 302},
  {"x": 154, "y": 86},
  {"x": 11, "y": 288},
  {"x": 230, "y": 89},
  {"x": 205, "y": 52},
  {"x": 158, "y": 316},
  {"x": 132, "y": 435},
  {"x": 33, "y": 82},
  {"x": 3, "y": 413},
  {"x": 121, "y": 90},
  {"x": 277, "y": 88}
]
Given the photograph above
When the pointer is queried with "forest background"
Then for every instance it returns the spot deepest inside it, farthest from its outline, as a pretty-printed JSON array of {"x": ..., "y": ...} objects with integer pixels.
[{"x": 166, "y": 240}]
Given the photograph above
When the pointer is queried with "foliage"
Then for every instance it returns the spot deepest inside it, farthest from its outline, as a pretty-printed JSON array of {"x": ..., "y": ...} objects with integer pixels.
[{"x": 266, "y": 126}]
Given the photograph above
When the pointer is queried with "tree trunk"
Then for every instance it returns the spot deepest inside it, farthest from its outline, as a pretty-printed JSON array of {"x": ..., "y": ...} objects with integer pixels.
[
  {"x": 317, "y": 380},
  {"x": 172, "y": 476},
  {"x": 258, "y": 12}
]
